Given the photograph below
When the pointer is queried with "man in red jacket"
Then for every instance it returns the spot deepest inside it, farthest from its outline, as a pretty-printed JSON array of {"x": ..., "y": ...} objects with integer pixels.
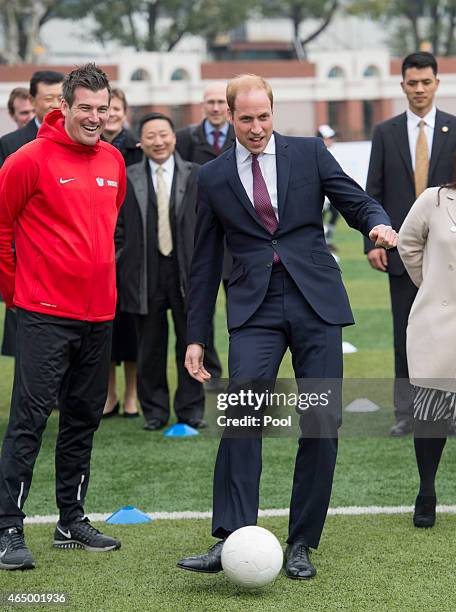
[{"x": 59, "y": 199}]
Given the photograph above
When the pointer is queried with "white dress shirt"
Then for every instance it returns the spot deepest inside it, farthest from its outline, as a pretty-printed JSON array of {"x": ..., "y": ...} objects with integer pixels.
[
  {"x": 413, "y": 130},
  {"x": 267, "y": 161},
  {"x": 168, "y": 173}
]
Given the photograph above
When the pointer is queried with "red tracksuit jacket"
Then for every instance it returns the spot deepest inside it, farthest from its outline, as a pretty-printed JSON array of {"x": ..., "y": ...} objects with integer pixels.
[{"x": 59, "y": 202}]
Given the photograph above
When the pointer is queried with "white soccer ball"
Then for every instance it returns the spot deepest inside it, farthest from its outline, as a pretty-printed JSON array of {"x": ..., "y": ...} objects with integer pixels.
[{"x": 252, "y": 557}]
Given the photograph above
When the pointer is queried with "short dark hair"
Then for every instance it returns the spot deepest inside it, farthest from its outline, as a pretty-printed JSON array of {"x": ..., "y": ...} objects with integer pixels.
[
  {"x": 49, "y": 77},
  {"x": 17, "y": 92},
  {"x": 153, "y": 117},
  {"x": 120, "y": 94},
  {"x": 89, "y": 76},
  {"x": 421, "y": 59}
]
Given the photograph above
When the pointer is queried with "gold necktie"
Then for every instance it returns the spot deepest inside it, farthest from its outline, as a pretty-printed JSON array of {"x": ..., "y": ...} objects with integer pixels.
[
  {"x": 165, "y": 238},
  {"x": 421, "y": 161}
]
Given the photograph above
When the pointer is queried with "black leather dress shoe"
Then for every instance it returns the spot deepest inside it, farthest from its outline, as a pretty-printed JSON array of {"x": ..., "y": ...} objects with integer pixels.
[
  {"x": 424, "y": 515},
  {"x": 154, "y": 425},
  {"x": 208, "y": 563},
  {"x": 195, "y": 423},
  {"x": 113, "y": 412},
  {"x": 130, "y": 415},
  {"x": 297, "y": 563},
  {"x": 401, "y": 428}
]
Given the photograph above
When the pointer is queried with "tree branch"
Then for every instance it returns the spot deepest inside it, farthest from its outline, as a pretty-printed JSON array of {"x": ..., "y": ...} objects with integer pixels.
[{"x": 324, "y": 25}]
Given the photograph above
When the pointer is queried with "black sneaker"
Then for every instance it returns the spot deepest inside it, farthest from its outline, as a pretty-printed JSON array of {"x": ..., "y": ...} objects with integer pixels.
[
  {"x": 81, "y": 534},
  {"x": 14, "y": 554}
]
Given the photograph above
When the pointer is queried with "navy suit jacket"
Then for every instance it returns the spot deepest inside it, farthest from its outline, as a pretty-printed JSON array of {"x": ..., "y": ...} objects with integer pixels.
[{"x": 306, "y": 172}]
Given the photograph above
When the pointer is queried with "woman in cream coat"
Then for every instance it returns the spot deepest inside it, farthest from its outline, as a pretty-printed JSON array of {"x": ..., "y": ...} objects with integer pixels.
[{"x": 427, "y": 246}]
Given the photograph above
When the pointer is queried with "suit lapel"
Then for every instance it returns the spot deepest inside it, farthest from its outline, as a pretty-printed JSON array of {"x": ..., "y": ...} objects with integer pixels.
[
  {"x": 205, "y": 146},
  {"x": 402, "y": 141},
  {"x": 283, "y": 163},
  {"x": 438, "y": 141},
  {"x": 32, "y": 129},
  {"x": 202, "y": 141},
  {"x": 182, "y": 173},
  {"x": 138, "y": 178},
  {"x": 234, "y": 181}
]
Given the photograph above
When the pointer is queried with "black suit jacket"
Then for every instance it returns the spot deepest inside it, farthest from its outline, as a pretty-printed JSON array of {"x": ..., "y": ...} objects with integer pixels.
[
  {"x": 192, "y": 145},
  {"x": 10, "y": 143},
  {"x": 136, "y": 261},
  {"x": 390, "y": 179},
  {"x": 306, "y": 173}
]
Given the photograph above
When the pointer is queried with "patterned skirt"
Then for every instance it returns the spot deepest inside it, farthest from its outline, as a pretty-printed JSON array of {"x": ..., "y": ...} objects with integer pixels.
[{"x": 433, "y": 404}]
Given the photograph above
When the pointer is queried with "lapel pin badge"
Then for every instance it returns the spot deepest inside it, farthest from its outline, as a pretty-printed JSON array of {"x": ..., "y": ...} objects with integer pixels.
[{"x": 444, "y": 129}]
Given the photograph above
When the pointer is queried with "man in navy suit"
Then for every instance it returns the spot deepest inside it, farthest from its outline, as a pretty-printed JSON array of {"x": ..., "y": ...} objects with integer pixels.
[{"x": 265, "y": 195}]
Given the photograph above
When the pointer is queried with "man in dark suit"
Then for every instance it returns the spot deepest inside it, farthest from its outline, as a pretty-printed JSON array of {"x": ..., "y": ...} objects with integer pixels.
[
  {"x": 155, "y": 235},
  {"x": 266, "y": 196},
  {"x": 45, "y": 95},
  {"x": 200, "y": 144},
  {"x": 205, "y": 141},
  {"x": 395, "y": 179}
]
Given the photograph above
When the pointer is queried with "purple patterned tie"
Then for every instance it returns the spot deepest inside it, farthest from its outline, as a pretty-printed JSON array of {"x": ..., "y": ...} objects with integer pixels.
[
  {"x": 216, "y": 145},
  {"x": 262, "y": 201}
]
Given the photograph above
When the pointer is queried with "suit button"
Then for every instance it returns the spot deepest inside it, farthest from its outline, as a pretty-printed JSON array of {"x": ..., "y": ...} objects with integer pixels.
[
  {"x": 269, "y": 265},
  {"x": 444, "y": 303},
  {"x": 450, "y": 267},
  {"x": 274, "y": 242}
]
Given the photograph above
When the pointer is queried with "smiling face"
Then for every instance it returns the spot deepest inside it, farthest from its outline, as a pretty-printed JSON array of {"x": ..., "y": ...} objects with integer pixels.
[
  {"x": 252, "y": 119},
  {"x": 86, "y": 118},
  {"x": 117, "y": 117},
  {"x": 48, "y": 97},
  {"x": 158, "y": 140},
  {"x": 420, "y": 86}
]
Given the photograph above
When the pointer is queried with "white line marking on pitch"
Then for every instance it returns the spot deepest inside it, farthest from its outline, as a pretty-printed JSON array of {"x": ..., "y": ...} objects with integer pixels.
[{"x": 179, "y": 516}]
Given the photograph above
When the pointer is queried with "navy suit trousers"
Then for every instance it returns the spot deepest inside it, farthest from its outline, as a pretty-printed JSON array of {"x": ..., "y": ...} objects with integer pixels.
[{"x": 284, "y": 320}]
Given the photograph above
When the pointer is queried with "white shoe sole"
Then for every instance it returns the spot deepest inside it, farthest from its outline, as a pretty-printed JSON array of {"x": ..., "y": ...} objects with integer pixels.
[{"x": 74, "y": 544}]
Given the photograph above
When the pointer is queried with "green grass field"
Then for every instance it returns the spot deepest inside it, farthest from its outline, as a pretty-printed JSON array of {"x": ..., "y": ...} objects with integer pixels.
[{"x": 364, "y": 562}]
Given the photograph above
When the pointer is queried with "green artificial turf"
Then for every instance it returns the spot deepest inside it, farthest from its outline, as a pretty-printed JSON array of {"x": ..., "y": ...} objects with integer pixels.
[{"x": 364, "y": 563}]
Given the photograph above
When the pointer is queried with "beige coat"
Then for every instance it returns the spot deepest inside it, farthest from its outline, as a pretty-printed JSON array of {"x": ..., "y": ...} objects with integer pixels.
[{"x": 427, "y": 246}]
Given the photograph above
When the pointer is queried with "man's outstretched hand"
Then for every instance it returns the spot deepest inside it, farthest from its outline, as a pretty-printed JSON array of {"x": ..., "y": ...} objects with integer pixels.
[{"x": 194, "y": 363}]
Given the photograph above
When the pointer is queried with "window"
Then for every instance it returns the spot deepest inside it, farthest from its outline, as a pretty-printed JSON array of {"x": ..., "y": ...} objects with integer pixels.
[
  {"x": 180, "y": 75},
  {"x": 336, "y": 72},
  {"x": 371, "y": 71},
  {"x": 140, "y": 74}
]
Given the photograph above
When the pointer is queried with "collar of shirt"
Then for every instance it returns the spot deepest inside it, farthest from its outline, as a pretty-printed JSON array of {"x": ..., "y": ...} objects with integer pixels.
[
  {"x": 168, "y": 172},
  {"x": 37, "y": 123},
  {"x": 267, "y": 161},
  {"x": 209, "y": 129},
  {"x": 243, "y": 154},
  {"x": 168, "y": 166},
  {"x": 429, "y": 119}
]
